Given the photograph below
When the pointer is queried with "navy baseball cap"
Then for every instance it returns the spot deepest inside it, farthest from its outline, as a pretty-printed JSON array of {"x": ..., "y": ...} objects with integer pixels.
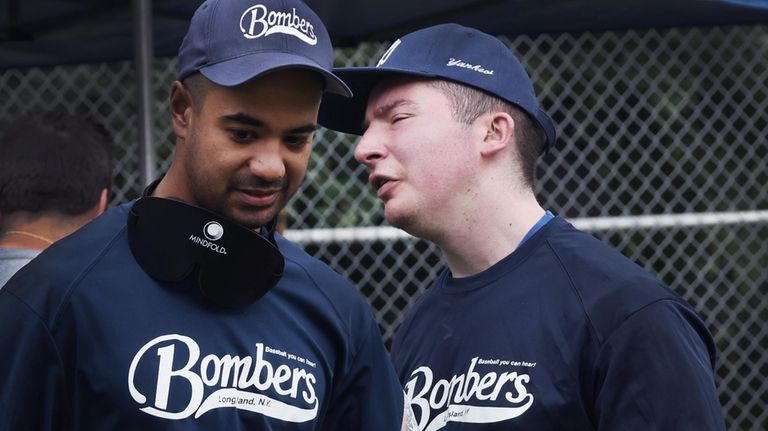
[
  {"x": 446, "y": 51},
  {"x": 233, "y": 41}
]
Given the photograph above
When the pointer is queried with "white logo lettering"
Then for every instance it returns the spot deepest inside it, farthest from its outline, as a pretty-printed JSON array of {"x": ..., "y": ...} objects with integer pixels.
[
  {"x": 234, "y": 375},
  {"x": 258, "y": 21},
  {"x": 454, "y": 397},
  {"x": 208, "y": 244},
  {"x": 389, "y": 52},
  {"x": 477, "y": 68}
]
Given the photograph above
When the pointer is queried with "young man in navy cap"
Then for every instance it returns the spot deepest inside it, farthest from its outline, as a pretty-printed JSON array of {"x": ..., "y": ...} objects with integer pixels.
[
  {"x": 142, "y": 321},
  {"x": 534, "y": 325}
]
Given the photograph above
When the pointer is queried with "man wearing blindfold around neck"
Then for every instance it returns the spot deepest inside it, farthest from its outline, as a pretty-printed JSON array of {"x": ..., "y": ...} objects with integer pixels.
[{"x": 185, "y": 309}]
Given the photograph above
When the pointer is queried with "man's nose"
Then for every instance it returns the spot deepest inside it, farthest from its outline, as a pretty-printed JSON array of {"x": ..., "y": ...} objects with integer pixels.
[
  {"x": 267, "y": 161},
  {"x": 370, "y": 148}
]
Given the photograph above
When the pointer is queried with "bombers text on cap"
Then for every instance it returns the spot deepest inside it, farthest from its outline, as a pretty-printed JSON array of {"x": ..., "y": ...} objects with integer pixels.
[
  {"x": 233, "y": 41},
  {"x": 446, "y": 51}
]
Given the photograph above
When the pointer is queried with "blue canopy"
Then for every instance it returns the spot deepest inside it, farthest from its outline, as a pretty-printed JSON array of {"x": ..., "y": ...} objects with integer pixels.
[{"x": 52, "y": 32}]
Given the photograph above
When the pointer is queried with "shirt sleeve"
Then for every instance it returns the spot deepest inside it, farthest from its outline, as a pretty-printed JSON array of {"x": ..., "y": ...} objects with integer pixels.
[
  {"x": 31, "y": 371},
  {"x": 367, "y": 395},
  {"x": 656, "y": 373}
]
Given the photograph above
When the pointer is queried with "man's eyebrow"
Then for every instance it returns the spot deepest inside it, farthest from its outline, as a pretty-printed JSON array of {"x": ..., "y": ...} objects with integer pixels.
[
  {"x": 301, "y": 130},
  {"x": 244, "y": 119},
  {"x": 384, "y": 110},
  {"x": 250, "y": 120}
]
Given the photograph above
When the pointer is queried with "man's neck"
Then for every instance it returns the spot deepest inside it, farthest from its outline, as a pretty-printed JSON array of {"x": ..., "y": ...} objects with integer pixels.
[
  {"x": 25, "y": 239},
  {"x": 36, "y": 232},
  {"x": 490, "y": 236}
]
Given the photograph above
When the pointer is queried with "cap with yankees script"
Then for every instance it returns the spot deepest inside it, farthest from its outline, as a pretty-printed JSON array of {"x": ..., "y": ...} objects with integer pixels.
[
  {"x": 233, "y": 41},
  {"x": 446, "y": 51}
]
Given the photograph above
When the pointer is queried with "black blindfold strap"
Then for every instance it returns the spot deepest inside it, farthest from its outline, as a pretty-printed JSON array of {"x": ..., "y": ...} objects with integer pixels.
[
  {"x": 268, "y": 230},
  {"x": 174, "y": 241},
  {"x": 148, "y": 190}
]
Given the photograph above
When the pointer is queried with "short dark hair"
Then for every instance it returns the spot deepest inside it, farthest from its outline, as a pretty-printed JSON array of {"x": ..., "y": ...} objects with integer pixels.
[
  {"x": 197, "y": 85},
  {"x": 53, "y": 161},
  {"x": 469, "y": 103}
]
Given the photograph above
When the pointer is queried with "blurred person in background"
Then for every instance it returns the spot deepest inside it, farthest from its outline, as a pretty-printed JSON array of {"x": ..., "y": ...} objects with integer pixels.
[{"x": 55, "y": 174}]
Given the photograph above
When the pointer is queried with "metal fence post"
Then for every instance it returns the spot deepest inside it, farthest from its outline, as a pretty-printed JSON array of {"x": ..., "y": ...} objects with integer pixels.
[{"x": 143, "y": 55}]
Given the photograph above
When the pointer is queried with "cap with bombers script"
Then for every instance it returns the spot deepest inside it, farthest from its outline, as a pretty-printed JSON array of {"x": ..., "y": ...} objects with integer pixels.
[
  {"x": 233, "y": 41},
  {"x": 446, "y": 51}
]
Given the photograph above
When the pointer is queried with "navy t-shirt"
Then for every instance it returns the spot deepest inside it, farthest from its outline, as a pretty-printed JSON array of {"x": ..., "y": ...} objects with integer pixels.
[
  {"x": 565, "y": 333},
  {"x": 91, "y": 342}
]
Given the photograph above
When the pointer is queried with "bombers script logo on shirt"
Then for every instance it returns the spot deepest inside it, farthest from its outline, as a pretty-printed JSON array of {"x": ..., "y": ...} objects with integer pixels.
[
  {"x": 239, "y": 381},
  {"x": 258, "y": 21},
  {"x": 504, "y": 394}
]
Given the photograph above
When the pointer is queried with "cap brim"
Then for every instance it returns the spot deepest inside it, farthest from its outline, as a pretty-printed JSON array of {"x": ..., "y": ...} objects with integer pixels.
[
  {"x": 239, "y": 70},
  {"x": 348, "y": 114}
]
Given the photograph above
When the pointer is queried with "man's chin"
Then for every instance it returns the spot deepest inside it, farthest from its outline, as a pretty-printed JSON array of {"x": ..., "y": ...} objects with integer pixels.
[
  {"x": 254, "y": 221},
  {"x": 407, "y": 222}
]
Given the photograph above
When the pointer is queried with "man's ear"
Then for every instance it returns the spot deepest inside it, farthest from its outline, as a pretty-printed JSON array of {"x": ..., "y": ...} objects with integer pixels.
[
  {"x": 500, "y": 133},
  {"x": 103, "y": 202},
  {"x": 181, "y": 109}
]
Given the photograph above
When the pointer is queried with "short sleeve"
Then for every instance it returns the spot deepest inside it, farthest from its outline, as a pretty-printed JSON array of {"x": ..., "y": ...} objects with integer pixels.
[
  {"x": 367, "y": 395},
  {"x": 30, "y": 369},
  {"x": 655, "y": 372}
]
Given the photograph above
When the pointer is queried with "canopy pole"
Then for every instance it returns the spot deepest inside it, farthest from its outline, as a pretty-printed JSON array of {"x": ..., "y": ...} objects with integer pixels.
[{"x": 143, "y": 56}]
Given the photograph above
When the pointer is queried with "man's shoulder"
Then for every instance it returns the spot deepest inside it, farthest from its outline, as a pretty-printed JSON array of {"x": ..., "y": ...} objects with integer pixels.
[
  {"x": 86, "y": 244},
  {"x": 590, "y": 262},
  {"x": 609, "y": 286},
  {"x": 46, "y": 282},
  {"x": 313, "y": 267},
  {"x": 320, "y": 283}
]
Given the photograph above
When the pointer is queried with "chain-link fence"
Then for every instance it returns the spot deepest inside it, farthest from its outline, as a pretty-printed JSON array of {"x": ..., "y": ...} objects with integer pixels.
[{"x": 662, "y": 152}]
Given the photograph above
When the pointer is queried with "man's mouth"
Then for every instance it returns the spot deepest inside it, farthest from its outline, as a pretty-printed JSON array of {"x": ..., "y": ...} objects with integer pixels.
[
  {"x": 259, "y": 197},
  {"x": 382, "y": 184}
]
